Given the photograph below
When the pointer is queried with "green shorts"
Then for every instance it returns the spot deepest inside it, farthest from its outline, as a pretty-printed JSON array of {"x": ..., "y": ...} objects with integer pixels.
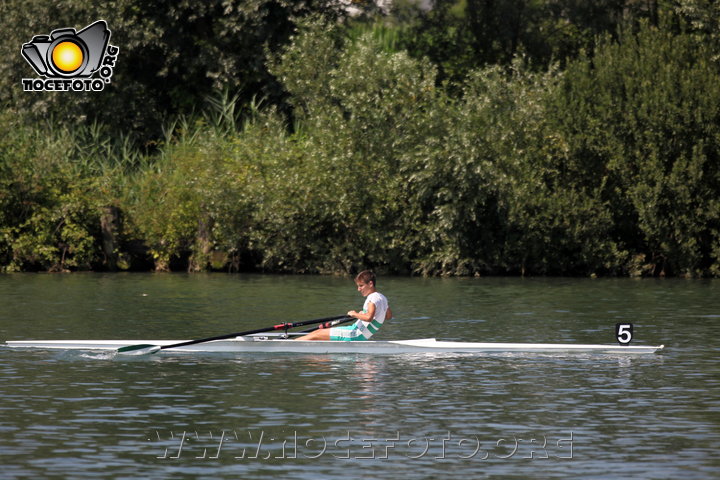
[
  {"x": 357, "y": 331},
  {"x": 348, "y": 334}
]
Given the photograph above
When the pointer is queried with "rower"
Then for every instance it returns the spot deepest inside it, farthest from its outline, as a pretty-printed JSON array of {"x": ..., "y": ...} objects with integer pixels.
[{"x": 375, "y": 311}]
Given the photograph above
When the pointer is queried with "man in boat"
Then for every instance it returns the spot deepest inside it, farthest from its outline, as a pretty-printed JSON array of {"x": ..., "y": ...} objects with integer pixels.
[{"x": 375, "y": 311}]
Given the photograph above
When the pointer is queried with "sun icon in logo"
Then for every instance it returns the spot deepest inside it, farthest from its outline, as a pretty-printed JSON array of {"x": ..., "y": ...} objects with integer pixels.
[{"x": 67, "y": 56}]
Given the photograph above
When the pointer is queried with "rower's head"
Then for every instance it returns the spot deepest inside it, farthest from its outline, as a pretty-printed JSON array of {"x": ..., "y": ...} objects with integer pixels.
[{"x": 365, "y": 282}]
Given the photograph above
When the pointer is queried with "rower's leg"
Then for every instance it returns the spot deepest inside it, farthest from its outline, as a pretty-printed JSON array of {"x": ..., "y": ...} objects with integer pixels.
[{"x": 320, "y": 334}]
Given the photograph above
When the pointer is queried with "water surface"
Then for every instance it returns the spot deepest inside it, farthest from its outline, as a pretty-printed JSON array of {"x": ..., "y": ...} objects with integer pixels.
[{"x": 94, "y": 415}]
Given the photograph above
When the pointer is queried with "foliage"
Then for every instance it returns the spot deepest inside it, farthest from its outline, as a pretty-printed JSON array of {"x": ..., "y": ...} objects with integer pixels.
[
  {"x": 354, "y": 150},
  {"x": 47, "y": 219},
  {"x": 641, "y": 120},
  {"x": 172, "y": 55},
  {"x": 462, "y": 35}
]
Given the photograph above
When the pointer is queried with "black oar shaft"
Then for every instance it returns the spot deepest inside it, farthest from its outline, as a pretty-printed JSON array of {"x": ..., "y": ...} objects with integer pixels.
[{"x": 280, "y": 326}]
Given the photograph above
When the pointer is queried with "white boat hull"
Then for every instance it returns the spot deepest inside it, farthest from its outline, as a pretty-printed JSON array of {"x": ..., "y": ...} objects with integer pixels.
[{"x": 259, "y": 344}]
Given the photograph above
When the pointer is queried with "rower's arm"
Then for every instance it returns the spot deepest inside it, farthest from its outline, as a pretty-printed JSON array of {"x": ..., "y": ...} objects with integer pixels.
[
  {"x": 368, "y": 316},
  {"x": 364, "y": 316}
]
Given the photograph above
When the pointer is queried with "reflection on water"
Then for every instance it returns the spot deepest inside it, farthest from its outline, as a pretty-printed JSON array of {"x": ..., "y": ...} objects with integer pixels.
[{"x": 93, "y": 414}]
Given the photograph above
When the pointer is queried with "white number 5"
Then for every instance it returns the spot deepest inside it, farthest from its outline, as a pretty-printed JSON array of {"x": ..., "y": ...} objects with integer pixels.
[{"x": 624, "y": 332}]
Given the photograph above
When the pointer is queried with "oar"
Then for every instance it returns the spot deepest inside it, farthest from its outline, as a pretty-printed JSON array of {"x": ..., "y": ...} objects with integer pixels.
[
  {"x": 145, "y": 349},
  {"x": 323, "y": 325},
  {"x": 327, "y": 325}
]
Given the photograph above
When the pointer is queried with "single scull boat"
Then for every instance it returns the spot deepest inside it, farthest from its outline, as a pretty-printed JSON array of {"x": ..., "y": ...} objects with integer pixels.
[{"x": 278, "y": 344}]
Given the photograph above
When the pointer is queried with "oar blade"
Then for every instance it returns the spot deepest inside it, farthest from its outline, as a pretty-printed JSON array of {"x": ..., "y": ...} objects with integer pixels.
[{"x": 142, "y": 349}]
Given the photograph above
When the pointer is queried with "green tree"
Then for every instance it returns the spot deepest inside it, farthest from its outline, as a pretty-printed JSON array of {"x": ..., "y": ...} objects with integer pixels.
[
  {"x": 49, "y": 216},
  {"x": 641, "y": 123},
  {"x": 172, "y": 55},
  {"x": 461, "y": 35}
]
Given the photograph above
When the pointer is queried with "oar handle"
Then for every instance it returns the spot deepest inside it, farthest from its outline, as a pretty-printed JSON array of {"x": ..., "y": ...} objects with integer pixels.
[{"x": 330, "y": 324}]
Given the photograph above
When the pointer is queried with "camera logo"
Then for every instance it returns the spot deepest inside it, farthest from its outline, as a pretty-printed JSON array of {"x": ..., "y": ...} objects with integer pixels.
[{"x": 68, "y": 59}]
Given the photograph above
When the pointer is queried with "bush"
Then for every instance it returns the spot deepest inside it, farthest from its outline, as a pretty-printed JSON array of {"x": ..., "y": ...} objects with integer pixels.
[
  {"x": 642, "y": 125},
  {"x": 48, "y": 215},
  {"x": 609, "y": 166}
]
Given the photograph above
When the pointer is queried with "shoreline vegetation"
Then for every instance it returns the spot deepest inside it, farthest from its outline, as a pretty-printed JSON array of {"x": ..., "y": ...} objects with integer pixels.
[{"x": 443, "y": 142}]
